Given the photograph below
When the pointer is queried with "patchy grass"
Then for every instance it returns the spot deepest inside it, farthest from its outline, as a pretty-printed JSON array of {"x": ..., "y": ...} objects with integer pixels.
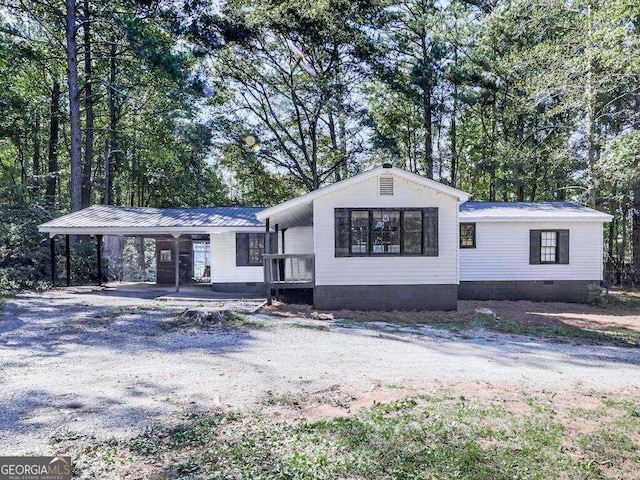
[
  {"x": 4, "y": 297},
  {"x": 624, "y": 301},
  {"x": 440, "y": 435},
  {"x": 557, "y": 332},
  {"x": 204, "y": 319},
  {"x": 616, "y": 323}
]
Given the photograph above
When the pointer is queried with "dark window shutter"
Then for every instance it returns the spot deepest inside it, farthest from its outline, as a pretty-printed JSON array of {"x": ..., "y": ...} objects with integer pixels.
[
  {"x": 534, "y": 247},
  {"x": 563, "y": 246},
  {"x": 342, "y": 232},
  {"x": 242, "y": 249},
  {"x": 430, "y": 236}
]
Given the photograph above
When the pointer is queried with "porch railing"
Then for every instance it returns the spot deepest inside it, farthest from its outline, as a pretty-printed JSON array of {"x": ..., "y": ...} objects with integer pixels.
[{"x": 289, "y": 270}]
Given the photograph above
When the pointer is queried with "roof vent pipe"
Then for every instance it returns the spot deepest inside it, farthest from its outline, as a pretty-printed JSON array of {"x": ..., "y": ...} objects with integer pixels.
[{"x": 386, "y": 165}]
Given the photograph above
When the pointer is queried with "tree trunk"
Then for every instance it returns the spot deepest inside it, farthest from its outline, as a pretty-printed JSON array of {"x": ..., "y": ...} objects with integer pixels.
[
  {"x": 54, "y": 131},
  {"x": 454, "y": 138},
  {"x": 142, "y": 264},
  {"x": 88, "y": 108},
  {"x": 36, "y": 145},
  {"x": 74, "y": 107},
  {"x": 590, "y": 126},
  {"x": 428, "y": 136},
  {"x": 111, "y": 154},
  {"x": 635, "y": 225}
]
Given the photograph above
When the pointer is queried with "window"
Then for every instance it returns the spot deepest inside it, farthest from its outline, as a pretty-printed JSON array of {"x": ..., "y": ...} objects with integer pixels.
[
  {"x": 386, "y": 231},
  {"x": 467, "y": 235},
  {"x": 249, "y": 249},
  {"x": 372, "y": 232},
  {"x": 360, "y": 231},
  {"x": 256, "y": 248},
  {"x": 412, "y": 228},
  {"x": 548, "y": 247}
]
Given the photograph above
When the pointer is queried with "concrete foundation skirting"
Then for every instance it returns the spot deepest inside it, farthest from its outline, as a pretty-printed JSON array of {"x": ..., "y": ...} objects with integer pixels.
[
  {"x": 239, "y": 287},
  {"x": 573, "y": 291},
  {"x": 386, "y": 297}
]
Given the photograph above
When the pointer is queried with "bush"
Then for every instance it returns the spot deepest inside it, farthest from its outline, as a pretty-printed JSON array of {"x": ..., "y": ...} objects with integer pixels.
[
  {"x": 597, "y": 294},
  {"x": 24, "y": 254}
]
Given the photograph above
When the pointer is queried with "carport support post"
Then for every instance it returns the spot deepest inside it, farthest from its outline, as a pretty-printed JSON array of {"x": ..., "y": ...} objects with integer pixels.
[
  {"x": 176, "y": 253},
  {"x": 267, "y": 264},
  {"x": 67, "y": 249},
  {"x": 276, "y": 229},
  {"x": 52, "y": 247},
  {"x": 99, "y": 251}
]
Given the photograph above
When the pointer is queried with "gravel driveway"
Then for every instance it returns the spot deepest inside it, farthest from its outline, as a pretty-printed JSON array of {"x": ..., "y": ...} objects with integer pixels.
[{"x": 111, "y": 365}]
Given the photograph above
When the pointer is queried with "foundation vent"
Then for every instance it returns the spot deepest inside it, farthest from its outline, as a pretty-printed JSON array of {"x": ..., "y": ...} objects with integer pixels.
[{"x": 385, "y": 186}]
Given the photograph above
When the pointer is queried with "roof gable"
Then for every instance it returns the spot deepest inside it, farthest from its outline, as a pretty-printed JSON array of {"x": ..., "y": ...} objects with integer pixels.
[{"x": 299, "y": 202}]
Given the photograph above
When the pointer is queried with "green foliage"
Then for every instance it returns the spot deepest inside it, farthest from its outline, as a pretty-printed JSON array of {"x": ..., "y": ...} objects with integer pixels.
[
  {"x": 518, "y": 100},
  {"x": 23, "y": 250},
  {"x": 596, "y": 295},
  {"x": 414, "y": 438}
]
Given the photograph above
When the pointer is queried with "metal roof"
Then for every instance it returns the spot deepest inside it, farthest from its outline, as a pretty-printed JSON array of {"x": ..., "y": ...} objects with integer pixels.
[
  {"x": 528, "y": 211},
  {"x": 126, "y": 220}
]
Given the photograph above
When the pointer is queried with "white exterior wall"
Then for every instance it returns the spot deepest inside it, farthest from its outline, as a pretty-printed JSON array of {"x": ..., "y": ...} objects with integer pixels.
[
  {"x": 223, "y": 262},
  {"x": 392, "y": 270},
  {"x": 298, "y": 240},
  {"x": 502, "y": 252}
]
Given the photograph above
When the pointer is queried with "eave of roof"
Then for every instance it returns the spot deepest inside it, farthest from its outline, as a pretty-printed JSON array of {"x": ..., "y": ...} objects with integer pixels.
[
  {"x": 530, "y": 212},
  {"x": 346, "y": 183},
  {"x": 112, "y": 220}
]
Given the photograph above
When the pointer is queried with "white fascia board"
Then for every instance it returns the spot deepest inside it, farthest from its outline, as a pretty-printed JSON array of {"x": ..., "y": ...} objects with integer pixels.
[
  {"x": 145, "y": 230},
  {"x": 604, "y": 218}
]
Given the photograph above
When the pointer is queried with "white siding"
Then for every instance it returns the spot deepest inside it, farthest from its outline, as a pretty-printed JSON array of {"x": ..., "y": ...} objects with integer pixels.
[
  {"x": 298, "y": 240},
  {"x": 502, "y": 253},
  {"x": 331, "y": 270},
  {"x": 223, "y": 262}
]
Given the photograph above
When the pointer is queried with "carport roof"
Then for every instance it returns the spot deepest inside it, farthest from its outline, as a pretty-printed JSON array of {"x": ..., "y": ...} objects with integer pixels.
[{"x": 111, "y": 220}]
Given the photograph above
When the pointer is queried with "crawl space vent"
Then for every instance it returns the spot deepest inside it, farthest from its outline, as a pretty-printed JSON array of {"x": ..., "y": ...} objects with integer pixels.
[{"x": 386, "y": 186}]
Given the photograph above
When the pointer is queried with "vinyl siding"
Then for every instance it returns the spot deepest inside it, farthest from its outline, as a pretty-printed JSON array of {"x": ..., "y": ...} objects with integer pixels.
[
  {"x": 331, "y": 270},
  {"x": 502, "y": 253},
  {"x": 298, "y": 240},
  {"x": 223, "y": 262}
]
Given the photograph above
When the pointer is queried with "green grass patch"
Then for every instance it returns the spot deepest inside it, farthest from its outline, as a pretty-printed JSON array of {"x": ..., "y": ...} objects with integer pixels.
[
  {"x": 560, "y": 333},
  {"x": 418, "y": 437},
  {"x": 620, "y": 301}
]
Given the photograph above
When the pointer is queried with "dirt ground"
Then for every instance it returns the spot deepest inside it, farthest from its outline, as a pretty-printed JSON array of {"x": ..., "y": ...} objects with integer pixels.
[
  {"x": 107, "y": 365},
  {"x": 525, "y": 312}
]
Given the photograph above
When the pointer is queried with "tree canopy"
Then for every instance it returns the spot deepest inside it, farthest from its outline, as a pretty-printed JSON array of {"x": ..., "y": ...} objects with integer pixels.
[{"x": 153, "y": 103}]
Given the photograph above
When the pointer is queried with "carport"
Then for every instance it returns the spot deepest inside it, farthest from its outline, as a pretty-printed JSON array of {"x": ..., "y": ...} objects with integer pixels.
[{"x": 97, "y": 221}]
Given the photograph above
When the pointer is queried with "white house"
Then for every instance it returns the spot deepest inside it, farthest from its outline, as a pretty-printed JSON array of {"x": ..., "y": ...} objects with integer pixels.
[
  {"x": 530, "y": 250},
  {"x": 385, "y": 239}
]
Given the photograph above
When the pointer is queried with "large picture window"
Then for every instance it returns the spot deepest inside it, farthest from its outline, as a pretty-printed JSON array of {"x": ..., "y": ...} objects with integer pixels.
[
  {"x": 379, "y": 232},
  {"x": 386, "y": 231}
]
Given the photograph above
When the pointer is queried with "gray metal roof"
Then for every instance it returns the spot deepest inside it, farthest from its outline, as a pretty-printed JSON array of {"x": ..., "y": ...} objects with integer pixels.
[
  {"x": 110, "y": 218},
  {"x": 559, "y": 211}
]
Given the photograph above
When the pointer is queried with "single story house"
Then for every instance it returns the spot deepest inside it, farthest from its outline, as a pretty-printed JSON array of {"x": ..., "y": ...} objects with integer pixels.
[{"x": 384, "y": 239}]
